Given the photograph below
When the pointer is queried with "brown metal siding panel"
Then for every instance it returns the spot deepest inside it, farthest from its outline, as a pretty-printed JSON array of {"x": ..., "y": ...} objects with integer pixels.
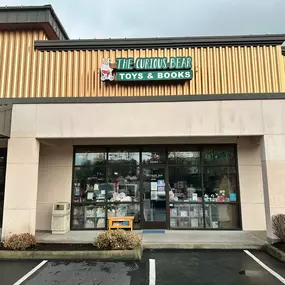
[
  {"x": 18, "y": 63},
  {"x": 26, "y": 73},
  {"x": 281, "y": 68}
]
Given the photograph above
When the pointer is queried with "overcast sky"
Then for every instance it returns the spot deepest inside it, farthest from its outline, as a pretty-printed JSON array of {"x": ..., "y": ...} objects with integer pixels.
[{"x": 162, "y": 18}]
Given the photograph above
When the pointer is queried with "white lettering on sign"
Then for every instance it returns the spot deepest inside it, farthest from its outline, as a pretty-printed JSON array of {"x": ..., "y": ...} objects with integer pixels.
[
  {"x": 122, "y": 75},
  {"x": 172, "y": 63},
  {"x": 166, "y": 75},
  {"x": 180, "y": 74},
  {"x": 188, "y": 74}
]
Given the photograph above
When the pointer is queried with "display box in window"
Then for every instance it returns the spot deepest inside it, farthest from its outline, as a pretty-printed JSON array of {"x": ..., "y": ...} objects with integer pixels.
[
  {"x": 173, "y": 212},
  {"x": 194, "y": 223},
  {"x": 89, "y": 224},
  {"x": 90, "y": 212},
  {"x": 173, "y": 223}
]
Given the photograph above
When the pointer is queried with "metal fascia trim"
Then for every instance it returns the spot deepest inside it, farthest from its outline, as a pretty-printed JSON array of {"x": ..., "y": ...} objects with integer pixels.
[{"x": 140, "y": 43}]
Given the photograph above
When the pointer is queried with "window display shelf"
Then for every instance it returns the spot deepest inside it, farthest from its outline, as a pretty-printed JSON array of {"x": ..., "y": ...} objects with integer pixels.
[
  {"x": 89, "y": 217},
  {"x": 186, "y": 216}
]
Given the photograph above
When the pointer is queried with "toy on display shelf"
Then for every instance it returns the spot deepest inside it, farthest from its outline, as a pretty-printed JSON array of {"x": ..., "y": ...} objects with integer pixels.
[
  {"x": 77, "y": 192},
  {"x": 171, "y": 195},
  {"x": 213, "y": 197},
  {"x": 190, "y": 190},
  {"x": 124, "y": 198},
  {"x": 120, "y": 197},
  {"x": 101, "y": 223},
  {"x": 221, "y": 196},
  {"x": 89, "y": 193},
  {"x": 89, "y": 224},
  {"x": 116, "y": 197},
  {"x": 114, "y": 210},
  {"x": 90, "y": 212},
  {"x": 100, "y": 213},
  {"x": 206, "y": 198}
]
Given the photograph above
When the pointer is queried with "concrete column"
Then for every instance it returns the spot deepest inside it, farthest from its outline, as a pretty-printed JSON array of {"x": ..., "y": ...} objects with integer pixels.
[
  {"x": 21, "y": 186},
  {"x": 22, "y": 172},
  {"x": 250, "y": 182},
  {"x": 273, "y": 174}
]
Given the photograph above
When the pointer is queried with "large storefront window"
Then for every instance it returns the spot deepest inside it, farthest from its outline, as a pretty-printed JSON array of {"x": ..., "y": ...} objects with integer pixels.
[{"x": 178, "y": 188}]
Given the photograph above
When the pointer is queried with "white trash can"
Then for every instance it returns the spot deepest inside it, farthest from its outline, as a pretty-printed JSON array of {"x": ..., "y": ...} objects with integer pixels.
[{"x": 60, "y": 221}]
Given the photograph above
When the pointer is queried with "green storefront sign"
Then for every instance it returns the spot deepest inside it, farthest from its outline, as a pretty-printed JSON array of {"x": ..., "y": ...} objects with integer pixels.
[
  {"x": 155, "y": 75},
  {"x": 148, "y": 69}
]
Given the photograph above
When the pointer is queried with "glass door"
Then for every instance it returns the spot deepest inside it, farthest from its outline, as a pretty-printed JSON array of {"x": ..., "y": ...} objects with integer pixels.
[{"x": 154, "y": 198}]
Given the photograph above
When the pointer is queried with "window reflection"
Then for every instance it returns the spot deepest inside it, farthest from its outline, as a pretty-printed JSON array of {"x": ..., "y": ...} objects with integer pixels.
[
  {"x": 220, "y": 184},
  {"x": 124, "y": 158},
  {"x": 89, "y": 159},
  {"x": 185, "y": 184},
  {"x": 184, "y": 157},
  {"x": 88, "y": 184},
  {"x": 224, "y": 216},
  {"x": 153, "y": 157},
  {"x": 219, "y": 155},
  {"x": 125, "y": 184}
]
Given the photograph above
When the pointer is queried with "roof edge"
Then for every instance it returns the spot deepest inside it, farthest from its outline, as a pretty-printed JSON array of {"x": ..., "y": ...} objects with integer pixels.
[
  {"x": 142, "y": 43},
  {"x": 283, "y": 49},
  {"x": 31, "y": 9},
  {"x": 57, "y": 21}
]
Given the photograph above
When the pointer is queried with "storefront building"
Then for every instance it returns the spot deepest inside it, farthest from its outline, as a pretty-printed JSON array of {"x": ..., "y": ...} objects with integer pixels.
[{"x": 181, "y": 133}]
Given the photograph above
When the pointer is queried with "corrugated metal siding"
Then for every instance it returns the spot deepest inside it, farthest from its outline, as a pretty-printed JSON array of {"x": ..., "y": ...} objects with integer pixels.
[
  {"x": 18, "y": 61},
  {"x": 217, "y": 70}
]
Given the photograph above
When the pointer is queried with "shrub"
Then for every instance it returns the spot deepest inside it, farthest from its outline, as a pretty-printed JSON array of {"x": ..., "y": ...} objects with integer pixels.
[
  {"x": 20, "y": 242},
  {"x": 278, "y": 222},
  {"x": 117, "y": 239}
]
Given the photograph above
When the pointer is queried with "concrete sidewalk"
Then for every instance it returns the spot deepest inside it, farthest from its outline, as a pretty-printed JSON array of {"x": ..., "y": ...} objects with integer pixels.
[{"x": 172, "y": 239}]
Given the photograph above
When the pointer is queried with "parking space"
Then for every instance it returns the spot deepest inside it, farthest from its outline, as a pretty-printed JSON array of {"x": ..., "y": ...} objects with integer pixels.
[
  {"x": 211, "y": 267},
  {"x": 207, "y": 267},
  {"x": 12, "y": 271}
]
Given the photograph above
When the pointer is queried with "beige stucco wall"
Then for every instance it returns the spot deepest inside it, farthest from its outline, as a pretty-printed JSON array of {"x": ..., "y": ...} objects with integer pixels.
[
  {"x": 216, "y": 120},
  {"x": 250, "y": 182},
  {"x": 55, "y": 175},
  {"x": 21, "y": 188}
]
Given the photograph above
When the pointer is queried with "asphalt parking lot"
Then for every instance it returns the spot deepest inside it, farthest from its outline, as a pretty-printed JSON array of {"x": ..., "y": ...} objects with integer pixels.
[{"x": 207, "y": 267}]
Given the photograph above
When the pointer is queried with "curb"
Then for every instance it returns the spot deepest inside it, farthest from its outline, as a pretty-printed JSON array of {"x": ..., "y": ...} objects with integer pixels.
[
  {"x": 202, "y": 246},
  {"x": 135, "y": 254},
  {"x": 275, "y": 252}
]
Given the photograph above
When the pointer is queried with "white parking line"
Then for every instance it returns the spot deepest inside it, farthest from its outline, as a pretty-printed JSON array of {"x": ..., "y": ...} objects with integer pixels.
[
  {"x": 25, "y": 277},
  {"x": 275, "y": 274},
  {"x": 152, "y": 272}
]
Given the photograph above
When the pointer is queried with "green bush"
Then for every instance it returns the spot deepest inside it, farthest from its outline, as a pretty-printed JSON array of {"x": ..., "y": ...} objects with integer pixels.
[
  {"x": 20, "y": 242},
  {"x": 278, "y": 223},
  {"x": 117, "y": 239}
]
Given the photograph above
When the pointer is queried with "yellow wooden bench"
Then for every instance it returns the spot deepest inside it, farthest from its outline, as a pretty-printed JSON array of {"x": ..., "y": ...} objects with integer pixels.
[{"x": 121, "y": 222}]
